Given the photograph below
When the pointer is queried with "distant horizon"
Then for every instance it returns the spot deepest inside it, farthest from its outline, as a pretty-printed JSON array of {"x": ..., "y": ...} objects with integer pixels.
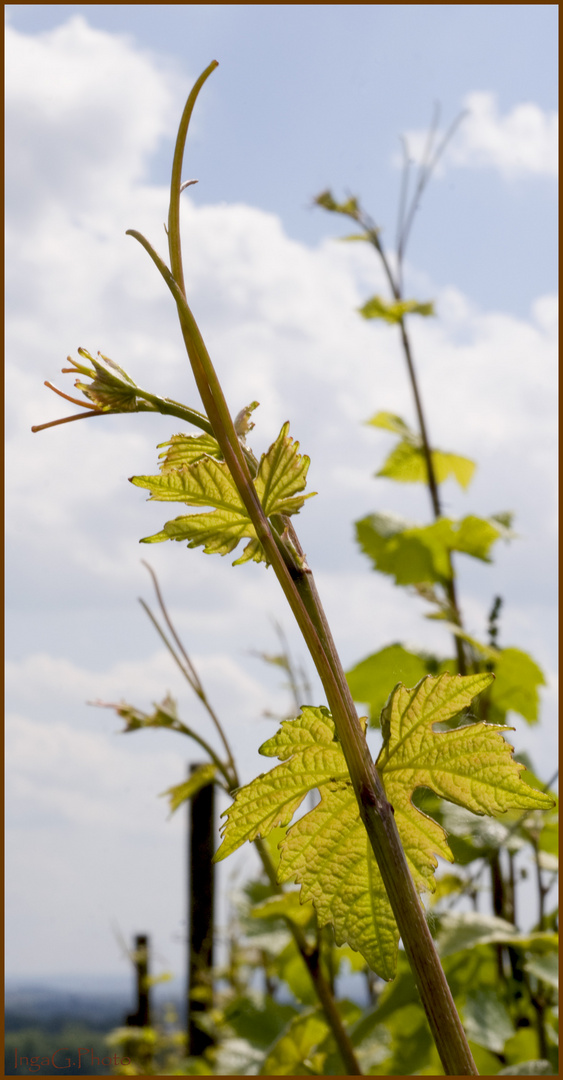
[{"x": 76, "y": 983}]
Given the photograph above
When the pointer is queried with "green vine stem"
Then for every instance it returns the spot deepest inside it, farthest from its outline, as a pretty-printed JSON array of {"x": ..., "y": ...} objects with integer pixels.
[
  {"x": 395, "y": 283},
  {"x": 296, "y": 582}
]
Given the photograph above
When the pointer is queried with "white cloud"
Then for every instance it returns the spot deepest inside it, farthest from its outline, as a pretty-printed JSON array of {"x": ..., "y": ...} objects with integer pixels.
[
  {"x": 522, "y": 142},
  {"x": 103, "y": 107}
]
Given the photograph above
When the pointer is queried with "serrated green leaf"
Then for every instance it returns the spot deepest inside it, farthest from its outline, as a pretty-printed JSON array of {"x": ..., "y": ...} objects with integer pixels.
[
  {"x": 293, "y": 1054},
  {"x": 518, "y": 678},
  {"x": 328, "y": 202},
  {"x": 232, "y": 1057},
  {"x": 260, "y": 1025},
  {"x": 327, "y": 851},
  {"x": 467, "y": 930},
  {"x": 185, "y": 449},
  {"x": 369, "y": 681},
  {"x": 391, "y": 422},
  {"x": 281, "y": 474},
  {"x": 288, "y": 905},
  {"x": 329, "y": 854},
  {"x": 486, "y": 1020},
  {"x": 471, "y": 766},
  {"x": 416, "y": 555},
  {"x": 537, "y": 1067},
  {"x": 504, "y": 518},
  {"x": 405, "y": 552},
  {"x": 205, "y": 481},
  {"x": 475, "y": 536},
  {"x": 407, "y": 464},
  {"x": 470, "y": 836},
  {"x": 411, "y": 1050},
  {"x": 545, "y": 968},
  {"x": 272, "y": 799},
  {"x": 394, "y": 312},
  {"x": 180, "y": 793},
  {"x": 156, "y": 538},
  {"x": 549, "y": 836},
  {"x": 292, "y": 971},
  {"x": 447, "y": 885}
]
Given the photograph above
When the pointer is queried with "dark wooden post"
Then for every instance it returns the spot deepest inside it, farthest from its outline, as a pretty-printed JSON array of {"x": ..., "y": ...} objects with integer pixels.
[
  {"x": 142, "y": 1017},
  {"x": 201, "y": 818}
]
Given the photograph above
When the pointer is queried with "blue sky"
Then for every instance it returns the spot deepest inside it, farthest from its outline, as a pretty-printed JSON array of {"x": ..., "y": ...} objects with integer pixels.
[{"x": 305, "y": 98}]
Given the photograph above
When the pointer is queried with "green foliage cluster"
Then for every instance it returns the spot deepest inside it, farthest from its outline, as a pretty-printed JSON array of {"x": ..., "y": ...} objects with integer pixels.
[{"x": 444, "y": 769}]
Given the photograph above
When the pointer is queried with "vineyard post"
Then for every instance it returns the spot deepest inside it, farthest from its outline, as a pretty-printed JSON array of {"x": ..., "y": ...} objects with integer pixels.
[
  {"x": 142, "y": 1017},
  {"x": 199, "y": 979}
]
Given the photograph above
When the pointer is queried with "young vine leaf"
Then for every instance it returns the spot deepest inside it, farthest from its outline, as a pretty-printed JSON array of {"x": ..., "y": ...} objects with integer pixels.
[
  {"x": 415, "y": 554},
  {"x": 180, "y": 793},
  {"x": 516, "y": 686},
  {"x": 368, "y": 679},
  {"x": 202, "y": 480},
  {"x": 185, "y": 449},
  {"x": 407, "y": 464},
  {"x": 298, "y": 1046},
  {"x": 327, "y": 851},
  {"x": 394, "y": 312}
]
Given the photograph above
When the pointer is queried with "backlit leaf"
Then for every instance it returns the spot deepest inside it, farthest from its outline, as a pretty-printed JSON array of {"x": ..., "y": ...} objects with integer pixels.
[
  {"x": 180, "y": 793},
  {"x": 415, "y": 554},
  {"x": 201, "y": 480},
  {"x": 545, "y": 968},
  {"x": 407, "y": 464},
  {"x": 394, "y": 311},
  {"x": 370, "y": 679},
  {"x": 537, "y": 1067},
  {"x": 486, "y": 1020},
  {"x": 272, "y": 798},
  {"x": 466, "y": 930},
  {"x": 282, "y": 473},
  {"x": 293, "y": 1054},
  {"x": 518, "y": 678},
  {"x": 286, "y": 905},
  {"x": 327, "y": 851},
  {"x": 328, "y": 202},
  {"x": 185, "y": 449},
  {"x": 392, "y": 422},
  {"x": 259, "y": 1024}
]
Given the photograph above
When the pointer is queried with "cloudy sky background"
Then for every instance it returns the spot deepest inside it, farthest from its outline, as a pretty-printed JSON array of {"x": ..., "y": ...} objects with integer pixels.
[{"x": 304, "y": 98}]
